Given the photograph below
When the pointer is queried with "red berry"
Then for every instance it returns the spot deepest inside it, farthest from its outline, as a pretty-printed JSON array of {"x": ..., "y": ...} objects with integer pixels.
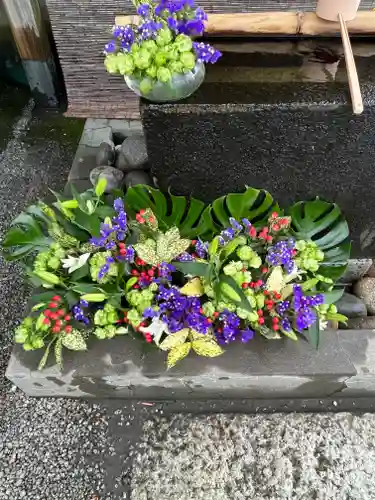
[
  {"x": 265, "y": 230},
  {"x": 150, "y": 272},
  {"x": 245, "y": 285},
  {"x": 56, "y": 297},
  {"x": 277, "y": 296},
  {"x": 58, "y": 323},
  {"x": 149, "y": 340},
  {"x": 121, "y": 245},
  {"x": 216, "y": 314},
  {"x": 269, "y": 307},
  {"x": 142, "y": 211},
  {"x": 269, "y": 238},
  {"x": 122, "y": 251},
  {"x": 52, "y": 305},
  {"x": 194, "y": 242},
  {"x": 68, "y": 328},
  {"x": 143, "y": 324},
  {"x": 139, "y": 219},
  {"x": 274, "y": 215},
  {"x": 252, "y": 284},
  {"x": 47, "y": 313},
  {"x": 143, "y": 273},
  {"x": 209, "y": 320},
  {"x": 67, "y": 317},
  {"x": 201, "y": 310},
  {"x": 259, "y": 283},
  {"x": 151, "y": 220},
  {"x": 261, "y": 321},
  {"x": 56, "y": 329},
  {"x": 136, "y": 286},
  {"x": 54, "y": 316},
  {"x": 46, "y": 321},
  {"x": 135, "y": 272},
  {"x": 260, "y": 312},
  {"x": 252, "y": 232},
  {"x": 276, "y": 227},
  {"x": 275, "y": 320},
  {"x": 264, "y": 270},
  {"x": 275, "y": 327},
  {"x": 61, "y": 312},
  {"x": 284, "y": 222},
  {"x": 266, "y": 292},
  {"x": 294, "y": 252}
]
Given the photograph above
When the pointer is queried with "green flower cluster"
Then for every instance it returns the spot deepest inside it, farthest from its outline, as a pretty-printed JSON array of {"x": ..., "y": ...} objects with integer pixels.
[
  {"x": 105, "y": 332},
  {"x": 309, "y": 255},
  {"x": 29, "y": 335},
  {"x": 139, "y": 300},
  {"x": 154, "y": 60},
  {"x": 61, "y": 237},
  {"x": 106, "y": 316},
  {"x": 49, "y": 260},
  {"x": 99, "y": 260}
]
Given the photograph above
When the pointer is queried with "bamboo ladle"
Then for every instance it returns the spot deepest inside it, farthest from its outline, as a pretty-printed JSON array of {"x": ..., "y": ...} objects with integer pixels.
[{"x": 342, "y": 11}]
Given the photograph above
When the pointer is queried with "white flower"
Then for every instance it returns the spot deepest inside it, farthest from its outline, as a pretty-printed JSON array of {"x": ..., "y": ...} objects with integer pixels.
[
  {"x": 156, "y": 329},
  {"x": 295, "y": 274},
  {"x": 323, "y": 324},
  {"x": 74, "y": 263}
]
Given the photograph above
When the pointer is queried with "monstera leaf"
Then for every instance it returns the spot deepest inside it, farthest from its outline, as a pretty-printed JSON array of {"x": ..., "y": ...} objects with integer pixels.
[
  {"x": 254, "y": 204},
  {"x": 191, "y": 216},
  {"x": 323, "y": 223}
]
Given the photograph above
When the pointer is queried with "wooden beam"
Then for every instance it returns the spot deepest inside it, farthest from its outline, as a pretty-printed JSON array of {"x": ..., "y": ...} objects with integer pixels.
[{"x": 277, "y": 23}]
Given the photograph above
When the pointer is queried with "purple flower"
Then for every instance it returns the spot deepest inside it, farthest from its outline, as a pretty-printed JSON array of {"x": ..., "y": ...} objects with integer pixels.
[
  {"x": 143, "y": 10},
  {"x": 166, "y": 270},
  {"x": 286, "y": 325},
  {"x": 282, "y": 254},
  {"x": 303, "y": 305},
  {"x": 228, "y": 234},
  {"x": 120, "y": 222},
  {"x": 149, "y": 29},
  {"x": 235, "y": 225},
  {"x": 110, "y": 245},
  {"x": 105, "y": 230},
  {"x": 120, "y": 235},
  {"x": 282, "y": 307},
  {"x": 83, "y": 303},
  {"x": 172, "y": 23},
  {"x": 118, "y": 205},
  {"x": 194, "y": 27},
  {"x": 206, "y": 53},
  {"x": 230, "y": 328},
  {"x": 129, "y": 256},
  {"x": 78, "y": 312},
  {"x": 201, "y": 249},
  {"x": 200, "y": 14},
  {"x": 110, "y": 47},
  {"x": 184, "y": 257},
  {"x": 98, "y": 242},
  {"x": 246, "y": 223},
  {"x": 247, "y": 335}
]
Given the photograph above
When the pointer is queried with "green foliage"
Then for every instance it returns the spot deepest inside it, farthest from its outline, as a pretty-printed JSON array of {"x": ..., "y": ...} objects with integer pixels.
[
  {"x": 323, "y": 223},
  {"x": 191, "y": 216}
]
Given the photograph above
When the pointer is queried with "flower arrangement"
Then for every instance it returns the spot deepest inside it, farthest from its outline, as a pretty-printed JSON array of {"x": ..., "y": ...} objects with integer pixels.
[
  {"x": 176, "y": 273},
  {"x": 160, "y": 46}
]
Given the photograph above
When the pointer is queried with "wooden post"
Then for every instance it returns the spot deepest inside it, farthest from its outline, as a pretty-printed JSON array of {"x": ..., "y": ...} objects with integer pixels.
[{"x": 31, "y": 39}]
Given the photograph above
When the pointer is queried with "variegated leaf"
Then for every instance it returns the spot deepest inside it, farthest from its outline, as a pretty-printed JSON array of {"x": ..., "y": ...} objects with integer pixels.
[
  {"x": 147, "y": 253},
  {"x": 178, "y": 353},
  {"x": 174, "y": 339},
  {"x": 170, "y": 245},
  {"x": 58, "y": 352},
  {"x": 150, "y": 219},
  {"x": 44, "y": 359},
  {"x": 286, "y": 291},
  {"x": 74, "y": 341},
  {"x": 208, "y": 348},
  {"x": 193, "y": 288},
  {"x": 275, "y": 281}
]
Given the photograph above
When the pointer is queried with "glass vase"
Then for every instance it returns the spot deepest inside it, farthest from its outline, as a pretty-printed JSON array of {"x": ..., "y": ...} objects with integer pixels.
[{"x": 180, "y": 86}]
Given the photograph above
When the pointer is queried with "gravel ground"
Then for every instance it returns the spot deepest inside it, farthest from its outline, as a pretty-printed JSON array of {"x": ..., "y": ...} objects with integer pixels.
[{"x": 262, "y": 457}]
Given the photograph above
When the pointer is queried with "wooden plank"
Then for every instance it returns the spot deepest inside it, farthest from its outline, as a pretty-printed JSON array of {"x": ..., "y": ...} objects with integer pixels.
[{"x": 276, "y": 23}]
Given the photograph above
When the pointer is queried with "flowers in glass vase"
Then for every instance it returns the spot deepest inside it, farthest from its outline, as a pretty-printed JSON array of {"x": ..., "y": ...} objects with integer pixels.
[
  {"x": 183, "y": 279},
  {"x": 161, "y": 45}
]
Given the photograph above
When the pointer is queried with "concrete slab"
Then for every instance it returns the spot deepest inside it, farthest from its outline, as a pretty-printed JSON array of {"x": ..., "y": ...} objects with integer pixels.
[{"x": 119, "y": 368}]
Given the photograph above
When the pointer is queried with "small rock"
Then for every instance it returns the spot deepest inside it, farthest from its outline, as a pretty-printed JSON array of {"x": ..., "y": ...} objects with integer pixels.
[
  {"x": 351, "y": 306},
  {"x": 137, "y": 177},
  {"x": 113, "y": 176},
  {"x": 366, "y": 323},
  {"x": 365, "y": 290},
  {"x": 106, "y": 154},
  {"x": 133, "y": 154},
  {"x": 356, "y": 269}
]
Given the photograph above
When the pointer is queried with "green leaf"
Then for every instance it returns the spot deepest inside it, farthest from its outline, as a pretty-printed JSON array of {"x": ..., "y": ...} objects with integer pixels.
[
  {"x": 291, "y": 334},
  {"x": 44, "y": 359},
  {"x": 191, "y": 216},
  {"x": 130, "y": 283},
  {"x": 100, "y": 186},
  {"x": 178, "y": 353},
  {"x": 38, "y": 306},
  {"x": 323, "y": 223},
  {"x": 71, "y": 298},
  {"x": 77, "y": 196},
  {"x": 86, "y": 288},
  {"x": 336, "y": 317},
  {"x": 230, "y": 283},
  {"x": 174, "y": 340},
  {"x": 58, "y": 352},
  {"x": 80, "y": 273},
  {"x": 74, "y": 341},
  {"x": 333, "y": 296},
  {"x": 208, "y": 348},
  {"x": 269, "y": 334},
  {"x": 90, "y": 223},
  {"x": 314, "y": 333},
  {"x": 46, "y": 296},
  {"x": 254, "y": 204},
  {"x": 193, "y": 268}
]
